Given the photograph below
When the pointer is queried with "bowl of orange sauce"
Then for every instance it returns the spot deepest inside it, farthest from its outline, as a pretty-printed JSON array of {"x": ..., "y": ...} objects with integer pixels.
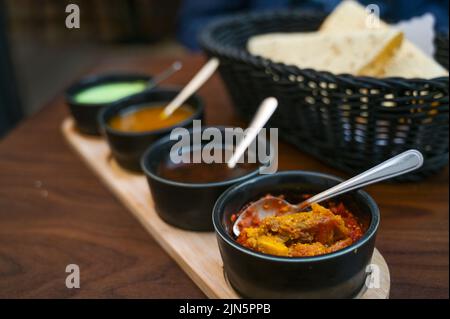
[{"x": 132, "y": 125}]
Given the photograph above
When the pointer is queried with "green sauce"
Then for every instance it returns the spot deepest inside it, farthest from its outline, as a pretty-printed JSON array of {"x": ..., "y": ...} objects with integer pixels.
[{"x": 109, "y": 92}]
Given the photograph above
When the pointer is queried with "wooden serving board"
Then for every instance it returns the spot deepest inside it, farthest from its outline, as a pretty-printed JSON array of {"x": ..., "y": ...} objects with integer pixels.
[{"x": 197, "y": 253}]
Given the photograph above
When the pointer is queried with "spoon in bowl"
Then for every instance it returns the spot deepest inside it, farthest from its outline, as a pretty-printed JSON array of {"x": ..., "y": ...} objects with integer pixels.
[
  {"x": 263, "y": 114},
  {"x": 176, "y": 66},
  {"x": 197, "y": 81},
  {"x": 271, "y": 205}
]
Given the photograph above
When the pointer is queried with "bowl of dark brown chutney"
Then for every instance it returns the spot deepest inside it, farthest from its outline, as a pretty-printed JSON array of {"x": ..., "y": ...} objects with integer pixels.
[{"x": 184, "y": 192}]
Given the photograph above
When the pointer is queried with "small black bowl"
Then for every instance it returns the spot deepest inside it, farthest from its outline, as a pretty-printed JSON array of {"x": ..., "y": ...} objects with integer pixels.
[
  {"x": 85, "y": 115},
  {"x": 341, "y": 274},
  {"x": 184, "y": 205},
  {"x": 128, "y": 147}
]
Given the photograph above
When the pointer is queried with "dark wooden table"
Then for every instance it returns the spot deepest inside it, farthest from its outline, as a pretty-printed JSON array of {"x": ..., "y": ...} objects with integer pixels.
[{"x": 55, "y": 212}]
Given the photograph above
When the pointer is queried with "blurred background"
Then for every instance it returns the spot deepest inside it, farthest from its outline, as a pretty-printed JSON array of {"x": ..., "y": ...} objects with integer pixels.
[{"x": 39, "y": 56}]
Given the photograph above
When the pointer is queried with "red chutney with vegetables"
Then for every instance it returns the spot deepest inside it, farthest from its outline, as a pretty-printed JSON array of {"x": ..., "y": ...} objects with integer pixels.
[{"x": 319, "y": 231}]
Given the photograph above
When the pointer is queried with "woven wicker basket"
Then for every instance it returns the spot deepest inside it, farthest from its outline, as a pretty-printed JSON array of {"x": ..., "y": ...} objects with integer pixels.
[{"x": 349, "y": 122}]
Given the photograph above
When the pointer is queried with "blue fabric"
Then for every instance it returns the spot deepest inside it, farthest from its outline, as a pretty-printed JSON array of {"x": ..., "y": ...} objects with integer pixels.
[{"x": 195, "y": 14}]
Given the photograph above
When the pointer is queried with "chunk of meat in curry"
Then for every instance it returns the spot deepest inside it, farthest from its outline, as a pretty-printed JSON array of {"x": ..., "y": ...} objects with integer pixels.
[{"x": 318, "y": 232}]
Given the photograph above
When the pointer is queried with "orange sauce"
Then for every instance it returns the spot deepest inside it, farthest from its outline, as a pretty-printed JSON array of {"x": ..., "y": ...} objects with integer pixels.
[{"x": 149, "y": 119}]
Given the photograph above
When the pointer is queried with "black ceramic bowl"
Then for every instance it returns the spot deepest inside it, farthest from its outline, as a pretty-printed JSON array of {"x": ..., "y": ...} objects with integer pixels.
[
  {"x": 86, "y": 115},
  {"x": 184, "y": 205},
  {"x": 340, "y": 274},
  {"x": 128, "y": 147}
]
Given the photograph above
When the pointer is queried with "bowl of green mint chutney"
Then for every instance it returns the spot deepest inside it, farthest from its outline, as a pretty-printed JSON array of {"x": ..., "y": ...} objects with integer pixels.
[{"x": 89, "y": 95}]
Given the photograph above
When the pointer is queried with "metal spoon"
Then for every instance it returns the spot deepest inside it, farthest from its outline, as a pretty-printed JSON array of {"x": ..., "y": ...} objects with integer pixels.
[
  {"x": 176, "y": 66},
  {"x": 397, "y": 165},
  {"x": 265, "y": 111}
]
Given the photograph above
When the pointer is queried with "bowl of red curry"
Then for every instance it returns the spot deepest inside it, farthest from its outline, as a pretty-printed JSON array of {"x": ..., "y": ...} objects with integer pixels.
[{"x": 322, "y": 252}]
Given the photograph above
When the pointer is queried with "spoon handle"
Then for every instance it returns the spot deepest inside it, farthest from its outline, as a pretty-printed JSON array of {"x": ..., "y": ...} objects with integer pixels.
[
  {"x": 176, "y": 66},
  {"x": 398, "y": 165},
  {"x": 197, "y": 81},
  {"x": 265, "y": 111}
]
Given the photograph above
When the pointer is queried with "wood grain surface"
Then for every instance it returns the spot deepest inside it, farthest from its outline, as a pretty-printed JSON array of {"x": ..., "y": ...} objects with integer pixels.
[{"x": 54, "y": 211}]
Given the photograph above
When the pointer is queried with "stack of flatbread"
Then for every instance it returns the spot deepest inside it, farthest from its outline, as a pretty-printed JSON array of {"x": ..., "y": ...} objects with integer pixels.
[{"x": 348, "y": 43}]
